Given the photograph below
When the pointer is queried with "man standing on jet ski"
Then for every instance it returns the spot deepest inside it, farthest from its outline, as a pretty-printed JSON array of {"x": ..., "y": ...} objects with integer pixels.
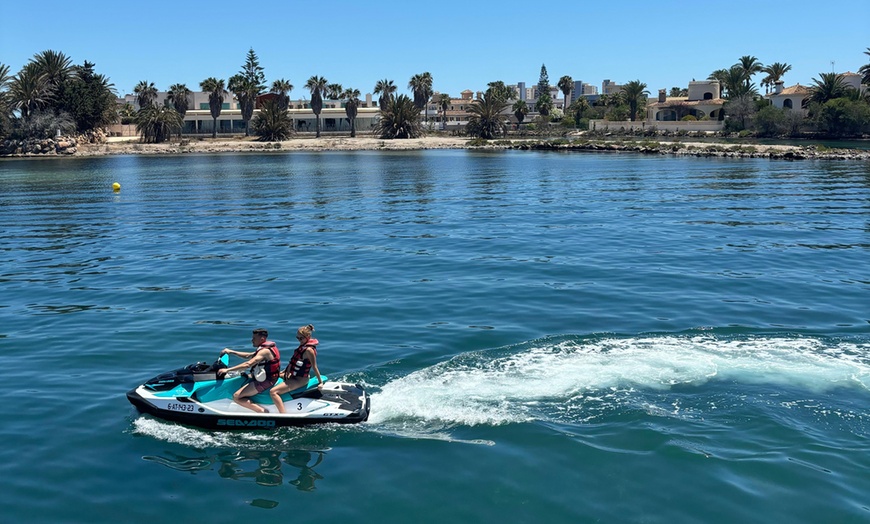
[{"x": 265, "y": 364}]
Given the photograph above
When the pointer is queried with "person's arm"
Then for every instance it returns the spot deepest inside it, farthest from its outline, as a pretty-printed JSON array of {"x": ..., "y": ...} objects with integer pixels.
[
  {"x": 313, "y": 356},
  {"x": 227, "y": 351},
  {"x": 254, "y": 360}
]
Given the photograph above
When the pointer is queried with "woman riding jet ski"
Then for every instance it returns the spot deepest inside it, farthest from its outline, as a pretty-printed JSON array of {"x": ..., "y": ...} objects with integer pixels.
[{"x": 202, "y": 395}]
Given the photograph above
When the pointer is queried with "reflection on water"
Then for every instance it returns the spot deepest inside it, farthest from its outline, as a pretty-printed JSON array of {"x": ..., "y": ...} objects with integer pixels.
[{"x": 263, "y": 467}]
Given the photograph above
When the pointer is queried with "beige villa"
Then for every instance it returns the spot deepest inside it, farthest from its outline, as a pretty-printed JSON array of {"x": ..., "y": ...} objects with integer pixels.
[
  {"x": 703, "y": 102},
  {"x": 793, "y": 97}
]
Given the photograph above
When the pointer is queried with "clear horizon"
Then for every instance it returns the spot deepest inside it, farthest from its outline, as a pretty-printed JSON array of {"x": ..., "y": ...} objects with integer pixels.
[{"x": 662, "y": 44}]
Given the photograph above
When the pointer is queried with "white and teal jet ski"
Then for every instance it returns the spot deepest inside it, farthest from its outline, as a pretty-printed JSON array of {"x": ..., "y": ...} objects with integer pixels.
[{"x": 194, "y": 395}]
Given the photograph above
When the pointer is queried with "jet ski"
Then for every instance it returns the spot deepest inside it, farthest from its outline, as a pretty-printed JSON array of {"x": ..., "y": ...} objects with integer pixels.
[{"x": 195, "y": 396}]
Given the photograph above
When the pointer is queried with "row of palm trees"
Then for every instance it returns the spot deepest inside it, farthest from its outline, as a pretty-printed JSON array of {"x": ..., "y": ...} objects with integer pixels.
[
  {"x": 273, "y": 124},
  {"x": 736, "y": 81}
]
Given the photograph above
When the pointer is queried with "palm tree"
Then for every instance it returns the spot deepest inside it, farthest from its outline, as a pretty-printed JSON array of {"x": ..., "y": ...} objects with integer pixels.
[
  {"x": 273, "y": 122},
  {"x": 282, "y": 88},
  {"x": 56, "y": 66},
  {"x": 736, "y": 83},
  {"x": 719, "y": 75},
  {"x": 350, "y": 108},
  {"x": 578, "y": 108},
  {"x": 146, "y": 93},
  {"x": 29, "y": 90},
  {"x": 775, "y": 72},
  {"x": 246, "y": 93},
  {"x": 216, "y": 91},
  {"x": 5, "y": 110},
  {"x": 421, "y": 86},
  {"x": 545, "y": 104},
  {"x": 156, "y": 124},
  {"x": 520, "y": 109},
  {"x": 865, "y": 69},
  {"x": 828, "y": 87},
  {"x": 750, "y": 65},
  {"x": 565, "y": 85},
  {"x": 634, "y": 93},
  {"x": 334, "y": 91},
  {"x": 385, "y": 88},
  {"x": 178, "y": 96},
  {"x": 317, "y": 86},
  {"x": 400, "y": 118},
  {"x": 678, "y": 92},
  {"x": 444, "y": 104},
  {"x": 486, "y": 120},
  {"x": 499, "y": 89}
]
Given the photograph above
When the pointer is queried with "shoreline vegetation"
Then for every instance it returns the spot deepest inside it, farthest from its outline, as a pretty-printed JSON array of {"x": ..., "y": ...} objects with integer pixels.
[{"x": 72, "y": 147}]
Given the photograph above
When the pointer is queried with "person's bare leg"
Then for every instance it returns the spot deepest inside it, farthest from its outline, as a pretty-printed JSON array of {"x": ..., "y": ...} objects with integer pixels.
[{"x": 241, "y": 398}]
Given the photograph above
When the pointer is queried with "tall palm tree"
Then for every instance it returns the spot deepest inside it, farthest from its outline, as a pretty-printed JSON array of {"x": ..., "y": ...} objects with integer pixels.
[
  {"x": 520, "y": 109},
  {"x": 736, "y": 84},
  {"x": 578, "y": 109},
  {"x": 178, "y": 96},
  {"x": 385, "y": 88},
  {"x": 334, "y": 91},
  {"x": 719, "y": 75},
  {"x": 400, "y": 118},
  {"x": 246, "y": 93},
  {"x": 5, "y": 110},
  {"x": 865, "y": 69},
  {"x": 29, "y": 90},
  {"x": 565, "y": 85},
  {"x": 282, "y": 88},
  {"x": 415, "y": 84},
  {"x": 444, "y": 104},
  {"x": 145, "y": 93},
  {"x": 633, "y": 93},
  {"x": 421, "y": 86},
  {"x": 499, "y": 89},
  {"x": 775, "y": 72},
  {"x": 216, "y": 91},
  {"x": 750, "y": 65},
  {"x": 317, "y": 86},
  {"x": 56, "y": 66},
  {"x": 828, "y": 87},
  {"x": 351, "y": 105},
  {"x": 486, "y": 120}
]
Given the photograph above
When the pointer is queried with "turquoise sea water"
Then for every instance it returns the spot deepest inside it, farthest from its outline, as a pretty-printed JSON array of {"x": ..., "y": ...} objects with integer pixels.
[{"x": 548, "y": 337}]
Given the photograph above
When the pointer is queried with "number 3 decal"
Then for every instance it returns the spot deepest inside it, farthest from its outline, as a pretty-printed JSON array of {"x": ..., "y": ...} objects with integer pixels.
[{"x": 298, "y": 406}]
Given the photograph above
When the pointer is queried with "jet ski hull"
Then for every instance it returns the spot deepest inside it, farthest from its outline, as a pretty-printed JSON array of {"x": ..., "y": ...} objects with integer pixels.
[{"x": 194, "y": 396}]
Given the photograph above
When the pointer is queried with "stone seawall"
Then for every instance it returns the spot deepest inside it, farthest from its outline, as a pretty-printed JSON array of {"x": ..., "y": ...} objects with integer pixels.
[{"x": 701, "y": 150}]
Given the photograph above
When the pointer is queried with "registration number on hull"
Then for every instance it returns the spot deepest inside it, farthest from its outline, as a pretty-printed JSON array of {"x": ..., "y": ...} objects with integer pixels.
[{"x": 172, "y": 406}]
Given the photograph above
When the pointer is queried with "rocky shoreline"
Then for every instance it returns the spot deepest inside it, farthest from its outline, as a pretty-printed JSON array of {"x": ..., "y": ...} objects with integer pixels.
[
  {"x": 700, "y": 149},
  {"x": 85, "y": 146}
]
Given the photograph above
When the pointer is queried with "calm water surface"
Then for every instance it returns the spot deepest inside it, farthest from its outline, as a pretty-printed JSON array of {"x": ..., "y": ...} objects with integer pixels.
[{"x": 548, "y": 337}]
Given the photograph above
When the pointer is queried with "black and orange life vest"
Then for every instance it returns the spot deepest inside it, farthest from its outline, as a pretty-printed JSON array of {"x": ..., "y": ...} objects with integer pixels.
[
  {"x": 273, "y": 366},
  {"x": 299, "y": 366}
]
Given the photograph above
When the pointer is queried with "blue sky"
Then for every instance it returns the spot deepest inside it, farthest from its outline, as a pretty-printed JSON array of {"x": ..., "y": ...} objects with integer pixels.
[{"x": 463, "y": 45}]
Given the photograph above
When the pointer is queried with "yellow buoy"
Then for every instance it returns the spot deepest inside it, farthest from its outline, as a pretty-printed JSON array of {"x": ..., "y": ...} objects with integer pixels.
[{"x": 116, "y": 187}]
